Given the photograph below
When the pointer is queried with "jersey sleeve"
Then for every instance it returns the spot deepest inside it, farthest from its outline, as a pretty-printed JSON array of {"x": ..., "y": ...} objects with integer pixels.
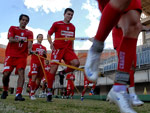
[
  {"x": 11, "y": 32},
  {"x": 52, "y": 29}
]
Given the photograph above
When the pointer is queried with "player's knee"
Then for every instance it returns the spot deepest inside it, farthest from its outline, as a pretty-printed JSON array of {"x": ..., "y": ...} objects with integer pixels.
[{"x": 133, "y": 30}]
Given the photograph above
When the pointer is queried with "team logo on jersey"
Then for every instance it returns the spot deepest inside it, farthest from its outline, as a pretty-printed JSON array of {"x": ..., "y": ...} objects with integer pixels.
[
  {"x": 68, "y": 28},
  {"x": 22, "y": 34}
]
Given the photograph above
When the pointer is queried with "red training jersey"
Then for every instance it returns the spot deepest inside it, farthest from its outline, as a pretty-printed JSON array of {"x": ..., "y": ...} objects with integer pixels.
[
  {"x": 70, "y": 77},
  {"x": 16, "y": 49},
  {"x": 41, "y": 50},
  {"x": 62, "y": 30}
]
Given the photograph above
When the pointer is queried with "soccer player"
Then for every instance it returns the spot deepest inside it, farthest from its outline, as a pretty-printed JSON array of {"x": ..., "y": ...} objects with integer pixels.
[
  {"x": 62, "y": 49},
  {"x": 36, "y": 65},
  {"x": 70, "y": 84},
  {"x": 86, "y": 84},
  {"x": 128, "y": 18},
  {"x": 16, "y": 54}
]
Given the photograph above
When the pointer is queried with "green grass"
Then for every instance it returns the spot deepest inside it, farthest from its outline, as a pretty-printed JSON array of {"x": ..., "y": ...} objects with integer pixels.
[{"x": 62, "y": 106}]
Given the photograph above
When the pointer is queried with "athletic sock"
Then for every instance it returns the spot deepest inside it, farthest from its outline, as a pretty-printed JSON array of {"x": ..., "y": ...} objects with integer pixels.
[
  {"x": 126, "y": 54},
  {"x": 131, "y": 78},
  {"x": 19, "y": 91},
  {"x": 110, "y": 17}
]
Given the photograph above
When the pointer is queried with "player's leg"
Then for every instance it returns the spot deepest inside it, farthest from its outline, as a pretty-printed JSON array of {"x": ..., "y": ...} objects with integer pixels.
[
  {"x": 20, "y": 70},
  {"x": 5, "y": 81},
  {"x": 70, "y": 58},
  {"x": 50, "y": 80},
  {"x": 92, "y": 89},
  {"x": 8, "y": 68},
  {"x": 20, "y": 84},
  {"x": 110, "y": 17},
  {"x": 129, "y": 22}
]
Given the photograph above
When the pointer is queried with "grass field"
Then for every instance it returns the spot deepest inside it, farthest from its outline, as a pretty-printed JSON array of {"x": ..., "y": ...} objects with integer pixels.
[{"x": 62, "y": 106}]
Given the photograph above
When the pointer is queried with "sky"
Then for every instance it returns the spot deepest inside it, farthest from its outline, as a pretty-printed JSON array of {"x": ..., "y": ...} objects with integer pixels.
[{"x": 43, "y": 13}]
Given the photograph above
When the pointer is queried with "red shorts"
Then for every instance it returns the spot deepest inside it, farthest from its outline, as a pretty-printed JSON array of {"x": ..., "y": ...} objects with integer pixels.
[
  {"x": 36, "y": 69},
  {"x": 66, "y": 54},
  {"x": 11, "y": 62},
  {"x": 134, "y": 5},
  {"x": 86, "y": 82},
  {"x": 70, "y": 87}
]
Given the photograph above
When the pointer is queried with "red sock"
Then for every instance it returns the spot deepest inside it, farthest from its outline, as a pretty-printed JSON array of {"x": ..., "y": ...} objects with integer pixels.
[
  {"x": 33, "y": 85},
  {"x": 19, "y": 90},
  {"x": 68, "y": 92},
  {"x": 50, "y": 79},
  {"x": 83, "y": 92},
  {"x": 126, "y": 53},
  {"x": 72, "y": 92},
  {"x": 5, "y": 88},
  {"x": 93, "y": 87},
  {"x": 131, "y": 78},
  {"x": 110, "y": 17}
]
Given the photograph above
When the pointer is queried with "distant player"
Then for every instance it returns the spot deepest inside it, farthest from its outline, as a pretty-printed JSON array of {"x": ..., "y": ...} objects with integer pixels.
[
  {"x": 86, "y": 85},
  {"x": 16, "y": 54},
  {"x": 70, "y": 84},
  {"x": 36, "y": 65},
  {"x": 62, "y": 49}
]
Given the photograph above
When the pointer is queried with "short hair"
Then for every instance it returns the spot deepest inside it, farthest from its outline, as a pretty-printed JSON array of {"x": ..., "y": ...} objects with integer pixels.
[
  {"x": 68, "y": 9},
  {"x": 39, "y": 35},
  {"x": 20, "y": 17}
]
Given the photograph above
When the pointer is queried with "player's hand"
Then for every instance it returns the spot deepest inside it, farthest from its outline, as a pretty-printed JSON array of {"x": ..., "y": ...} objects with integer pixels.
[{"x": 20, "y": 40}]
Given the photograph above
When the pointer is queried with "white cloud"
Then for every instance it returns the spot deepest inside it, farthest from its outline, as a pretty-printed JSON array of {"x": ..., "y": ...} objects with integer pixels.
[
  {"x": 3, "y": 38},
  {"x": 94, "y": 16},
  {"x": 47, "y": 5}
]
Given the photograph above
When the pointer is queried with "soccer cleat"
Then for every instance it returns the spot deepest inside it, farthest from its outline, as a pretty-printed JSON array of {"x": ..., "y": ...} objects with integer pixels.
[
  {"x": 67, "y": 97},
  {"x": 91, "y": 66},
  {"x": 49, "y": 98},
  {"x": 61, "y": 76},
  {"x": 92, "y": 92},
  {"x": 121, "y": 100},
  {"x": 32, "y": 97},
  {"x": 4, "y": 95},
  {"x": 19, "y": 98},
  {"x": 82, "y": 98},
  {"x": 135, "y": 101}
]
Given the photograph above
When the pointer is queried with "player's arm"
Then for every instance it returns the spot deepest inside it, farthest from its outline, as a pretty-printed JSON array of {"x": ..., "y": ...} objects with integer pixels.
[
  {"x": 50, "y": 32},
  {"x": 13, "y": 40},
  {"x": 50, "y": 42},
  {"x": 30, "y": 43}
]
